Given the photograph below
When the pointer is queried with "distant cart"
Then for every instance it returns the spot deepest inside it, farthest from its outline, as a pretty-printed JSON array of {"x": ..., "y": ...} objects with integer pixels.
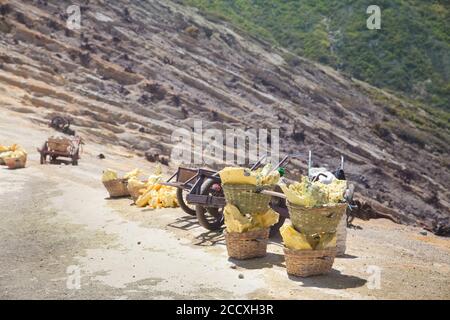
[{"x": 66, "y": 147}]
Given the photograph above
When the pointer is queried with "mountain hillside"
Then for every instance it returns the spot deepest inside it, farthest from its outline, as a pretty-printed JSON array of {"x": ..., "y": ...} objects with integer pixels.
[
  {"x": 410, "y": 54},
  {"x": 137, "y": 70}
]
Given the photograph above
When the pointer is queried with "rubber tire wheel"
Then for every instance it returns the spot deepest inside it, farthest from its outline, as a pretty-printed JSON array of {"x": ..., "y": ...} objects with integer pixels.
[
  {"x": 275, "y": 229},
  {"x": 183, "y": 204},
  {"x": 201, "y": 211}
]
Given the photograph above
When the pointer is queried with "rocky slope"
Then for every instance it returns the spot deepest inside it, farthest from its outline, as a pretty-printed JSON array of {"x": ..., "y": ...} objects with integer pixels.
[{"x": 137, "y": 70}]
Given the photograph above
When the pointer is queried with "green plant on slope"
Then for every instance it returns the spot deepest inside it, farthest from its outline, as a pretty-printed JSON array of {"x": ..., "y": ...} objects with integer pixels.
[{"x": 410, "y": 54}]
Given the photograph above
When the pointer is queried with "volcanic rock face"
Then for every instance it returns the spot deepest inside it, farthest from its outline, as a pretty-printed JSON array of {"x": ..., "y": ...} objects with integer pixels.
[{"x": 137, "y": 70}]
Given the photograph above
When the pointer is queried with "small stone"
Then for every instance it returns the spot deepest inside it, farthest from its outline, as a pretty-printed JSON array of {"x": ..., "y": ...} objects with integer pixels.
[
  {"x": 233, "y": 266},
  {"x": 241, "y": 276},
  {"x": 139, "y": 243},
  {"x": 423, "y": 232}
]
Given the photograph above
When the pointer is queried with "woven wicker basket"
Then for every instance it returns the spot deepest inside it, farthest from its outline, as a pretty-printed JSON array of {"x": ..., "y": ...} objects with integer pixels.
[
  {"x": 305, "y": 263},
  {"x": 316, "y": 220},
  {"x": 341, "y": 237},
  {"x": 117, "y": 188},
  {"x": 16, "y": 163},
  {"x": 247, "y": 245},
  {"x": 247, "y": 197}
]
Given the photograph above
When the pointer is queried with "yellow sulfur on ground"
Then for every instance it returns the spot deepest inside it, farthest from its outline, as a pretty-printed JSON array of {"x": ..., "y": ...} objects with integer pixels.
[
  {"x": 158, "y": 196},
  {"x": 235, "y": 221}
]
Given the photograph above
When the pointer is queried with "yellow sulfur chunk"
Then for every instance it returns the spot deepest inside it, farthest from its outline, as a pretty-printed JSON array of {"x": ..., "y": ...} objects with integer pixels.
[
  {"x": 143, "y": 200},
  {"x": 135, "y": 186},
  {"x": 6, "y": 154},
  {"x": 167, "y": 197},
  {"x": 293, "y": 239},
  {"x": 154, "y": 179},
  {"x": 271, "y": 179},
  {"x": 134, "y": 183},
  {"x": 336, "y": 190},
  {"x": 158, "y": 196},
  {"x": 154, "y": 201},
  {"x": 135, "y": 173},
  {"x": 315, "y": 194},
  {"x": 265, "y": 220},
  {"x": 109, "y": 175},
  {"x": 234, "y": 175},
  {"x": 327, "y": 240},
  {"x": 15, "y": 151},
  {"x": 234, "y": 220},
  {"x": 158, "y": 170}
]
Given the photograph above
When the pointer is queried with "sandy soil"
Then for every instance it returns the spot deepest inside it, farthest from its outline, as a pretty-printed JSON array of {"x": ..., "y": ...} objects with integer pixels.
[{"x": 55, "y": 218}]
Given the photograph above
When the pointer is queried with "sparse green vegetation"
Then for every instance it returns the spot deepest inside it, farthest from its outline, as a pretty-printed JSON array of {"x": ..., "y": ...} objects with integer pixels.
[{"x": 410, "y": 54}]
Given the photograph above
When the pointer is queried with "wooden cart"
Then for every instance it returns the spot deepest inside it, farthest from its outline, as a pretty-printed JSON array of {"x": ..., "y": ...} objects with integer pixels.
[
  {"x": 202, "y": 189},
  {"x": 67, "y": 147}
]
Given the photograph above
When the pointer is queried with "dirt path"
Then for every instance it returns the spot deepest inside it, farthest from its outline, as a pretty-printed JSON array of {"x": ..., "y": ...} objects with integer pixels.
[{"x": 55, "y": 219}]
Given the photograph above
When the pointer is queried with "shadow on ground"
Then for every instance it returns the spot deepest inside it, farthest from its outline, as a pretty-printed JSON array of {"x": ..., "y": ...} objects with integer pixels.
[
  {"x": 347, "y": 256},
  {"x": 333, "y": 280},
  {"x": 210, "y": 238},
  {"x": 185, "y": 223},
  {"x": 267, "y": 262}
]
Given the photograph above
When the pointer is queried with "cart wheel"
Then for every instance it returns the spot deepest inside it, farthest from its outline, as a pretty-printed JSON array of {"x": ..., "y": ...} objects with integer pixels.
[
  {"x": 209, "y": 218},
  {"x": 182, "y": 202}
]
